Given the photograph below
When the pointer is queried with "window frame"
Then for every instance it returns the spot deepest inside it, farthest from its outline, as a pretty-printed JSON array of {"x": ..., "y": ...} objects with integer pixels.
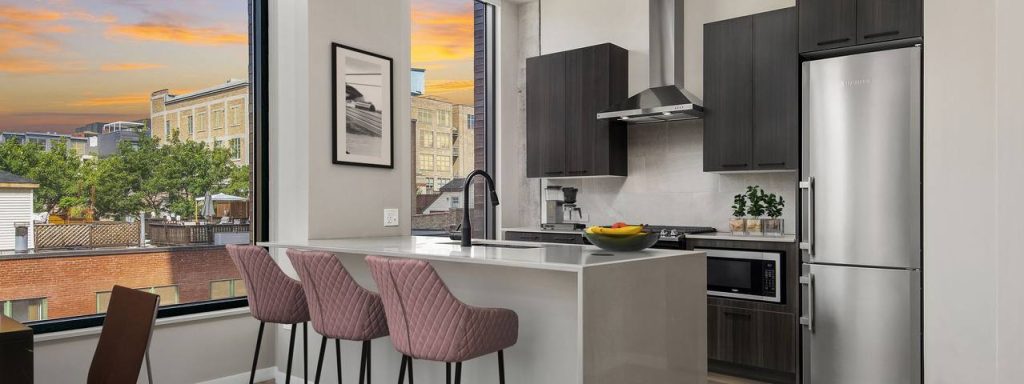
[
  {"x": 259, "y": 76},
  {"x": 7, "y": 305}
]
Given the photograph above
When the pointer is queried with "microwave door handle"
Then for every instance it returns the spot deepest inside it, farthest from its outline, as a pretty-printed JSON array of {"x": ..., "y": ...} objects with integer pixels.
[
  {"x": 808, "y": 320},
  {"x": 809, "y": 244}
]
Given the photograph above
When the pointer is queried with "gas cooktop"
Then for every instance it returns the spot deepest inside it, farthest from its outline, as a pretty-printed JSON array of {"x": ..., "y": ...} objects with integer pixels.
[{"x": 676, "y": 232}]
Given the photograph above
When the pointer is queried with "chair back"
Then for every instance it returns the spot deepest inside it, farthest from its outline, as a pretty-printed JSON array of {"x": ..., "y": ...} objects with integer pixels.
[
  {"x": 338, "y": 306},
  {"x": 273, "y": 296},
  {"x": 422, "y": 313},
  {"x": 124, "y": 340}
]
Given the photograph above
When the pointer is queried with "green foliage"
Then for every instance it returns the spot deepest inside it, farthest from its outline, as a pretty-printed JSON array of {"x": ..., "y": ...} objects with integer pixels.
[
  {"x": 755, "y": 196},
  {"x": 145, "y": 176},
  {"x": 739, "y": 205},
  {"x": 774, "y": 205}
]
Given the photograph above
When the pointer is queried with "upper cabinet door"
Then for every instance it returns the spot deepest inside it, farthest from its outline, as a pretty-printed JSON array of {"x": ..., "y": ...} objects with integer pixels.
[
  {"x": 882, "y": 20},
  {"x": 776, "y": 91},
  {"x": 728, "y": 100},
  {"x": 583, "y": 82},
  {"x": 545, "y": 128},
  {"x": 826, "y": 24}
]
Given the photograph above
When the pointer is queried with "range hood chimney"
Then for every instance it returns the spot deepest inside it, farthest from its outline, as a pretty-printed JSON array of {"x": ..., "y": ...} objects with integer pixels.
[{"x": 665, "y": 100}]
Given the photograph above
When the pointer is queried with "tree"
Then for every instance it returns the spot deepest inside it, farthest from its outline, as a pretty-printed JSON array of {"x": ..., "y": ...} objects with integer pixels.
[
  {"x": 238, "y": 182},
  {"x": 191, "y": 169},
  {"x": 57, "y": 171},
  {"x": 127, "y": 183}
]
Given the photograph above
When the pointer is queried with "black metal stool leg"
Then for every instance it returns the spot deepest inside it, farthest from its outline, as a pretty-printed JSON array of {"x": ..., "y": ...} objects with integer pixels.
[
  {"x": 410, "y": 370},
  {"x": 256, "y": 355},
  {"x": 337, "y": 357},
  {"x": 448, "y": 373},
  {"x": 320, "y": 361},
  {"x": 369, "y": 354},
  {"x": 501, "y": 366},
  {"x": 305, "y": 352},
  {"x": 362, "y": 365},
  {"x": 291, "y": 352},
  {"x": 458, "y": 373},
  {"x": 401, "y": 370}
]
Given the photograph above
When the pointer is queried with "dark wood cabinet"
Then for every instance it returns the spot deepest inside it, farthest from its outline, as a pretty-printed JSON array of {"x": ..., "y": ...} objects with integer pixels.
[
  {"x": 564, "y": 93},
  {"x": 16, "y": 361},
  {"x": 542, "y": 237},
  {"x": 751, "y": 94},
  {"x": 828, "y": 24}
]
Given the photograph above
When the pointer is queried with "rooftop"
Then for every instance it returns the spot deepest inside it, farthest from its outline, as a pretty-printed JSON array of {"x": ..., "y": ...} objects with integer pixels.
[
  {"x": 228, "y": 85},
  {"x": 8, "y": 179},
  {"x": 454, "y": 186}
]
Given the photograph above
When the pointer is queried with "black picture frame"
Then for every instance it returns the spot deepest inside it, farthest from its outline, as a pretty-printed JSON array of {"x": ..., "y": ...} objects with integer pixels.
[{"x": 387, "y": 133}]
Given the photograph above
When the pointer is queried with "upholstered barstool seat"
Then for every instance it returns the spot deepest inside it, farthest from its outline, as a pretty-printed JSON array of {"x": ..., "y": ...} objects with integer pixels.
[
  {"x": 428, "y": 322},
  {"x": 339, "y": 307}
]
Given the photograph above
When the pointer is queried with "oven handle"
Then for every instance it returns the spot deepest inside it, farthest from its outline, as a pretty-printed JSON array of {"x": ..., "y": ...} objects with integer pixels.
[
  {"x": 809, "y": 244},
  {"x": 809, "y": 319}
]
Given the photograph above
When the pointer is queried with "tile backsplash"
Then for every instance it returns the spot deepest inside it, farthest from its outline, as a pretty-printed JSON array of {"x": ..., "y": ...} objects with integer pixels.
[{"x": 667, "y": 184}]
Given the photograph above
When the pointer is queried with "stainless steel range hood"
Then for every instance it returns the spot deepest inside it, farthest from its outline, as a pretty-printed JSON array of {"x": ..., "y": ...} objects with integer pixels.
[{"x": 665, "y": 100}]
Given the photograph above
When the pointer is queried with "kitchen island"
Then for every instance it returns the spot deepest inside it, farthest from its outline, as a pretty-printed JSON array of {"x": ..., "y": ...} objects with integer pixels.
[{"x": 585, "y": 315}]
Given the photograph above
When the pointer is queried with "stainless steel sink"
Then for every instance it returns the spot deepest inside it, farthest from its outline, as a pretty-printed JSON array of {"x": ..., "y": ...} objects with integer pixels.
[{"x": 490, "y": 245}]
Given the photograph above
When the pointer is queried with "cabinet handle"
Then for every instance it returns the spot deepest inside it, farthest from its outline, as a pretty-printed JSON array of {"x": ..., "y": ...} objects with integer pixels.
[
  {"x": 553, "y": 172},
  {"x": 578, "y": 172},
  {"x": 881, "y": 34},
  {"x": 779, "y": 164},
  {"x": 809, "y": 319},
  {"x": 809, "y": 244},
  {"x": 736, "y": 165},
  {"x": 834, "y": 41},
  {"x": 737, "y": 314}
]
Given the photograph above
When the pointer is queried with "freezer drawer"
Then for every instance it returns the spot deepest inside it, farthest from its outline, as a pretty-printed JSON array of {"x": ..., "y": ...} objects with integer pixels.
[
  {"x": 862, "y": 181},
  {"x": 861, "y": 325}
]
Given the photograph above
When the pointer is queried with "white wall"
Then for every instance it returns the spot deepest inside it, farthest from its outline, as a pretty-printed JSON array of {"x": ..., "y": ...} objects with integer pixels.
[
  {"x": 666, "y": 183},
  {"x": 961, "y": 262},
  {"x": 180, "y": 353}
]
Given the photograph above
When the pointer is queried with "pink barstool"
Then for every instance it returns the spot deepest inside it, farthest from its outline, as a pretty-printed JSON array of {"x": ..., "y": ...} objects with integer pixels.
[
  {"x": 340, "y": 309},
  {"x": 427, "y": 322},
  {"x": 273, "y": 298}
]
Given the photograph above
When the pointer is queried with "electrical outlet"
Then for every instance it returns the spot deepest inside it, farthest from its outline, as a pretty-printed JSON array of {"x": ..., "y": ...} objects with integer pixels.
[{"x": 390, "y": 217}]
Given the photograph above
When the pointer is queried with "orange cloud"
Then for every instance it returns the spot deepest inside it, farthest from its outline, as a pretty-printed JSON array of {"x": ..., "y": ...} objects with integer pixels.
[
  {"x": 13, "y": 13},
  {"x": 116, "y": 67},
  {"x": 112, "y": 100},
  {"x": 178, "y": 34},
  {"x": 20, "y": 65},
  {"x": 440, "y": 36},
  {"x": 438, "y": 86}
]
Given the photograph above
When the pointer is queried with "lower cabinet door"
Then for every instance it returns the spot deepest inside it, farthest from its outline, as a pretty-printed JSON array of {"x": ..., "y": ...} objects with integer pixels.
[{"x": 739, "y": 340}]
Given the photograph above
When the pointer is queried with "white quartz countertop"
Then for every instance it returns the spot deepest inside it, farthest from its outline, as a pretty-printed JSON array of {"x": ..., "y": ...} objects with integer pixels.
[{"x": 559, "y": 257}]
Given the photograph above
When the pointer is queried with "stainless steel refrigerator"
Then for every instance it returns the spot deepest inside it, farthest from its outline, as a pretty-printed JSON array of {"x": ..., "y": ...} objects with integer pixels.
[{"x": 861, "y": 218}]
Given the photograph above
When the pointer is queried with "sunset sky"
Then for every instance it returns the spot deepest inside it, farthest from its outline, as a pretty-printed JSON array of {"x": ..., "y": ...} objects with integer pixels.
[{"x": 67, "y": 63}]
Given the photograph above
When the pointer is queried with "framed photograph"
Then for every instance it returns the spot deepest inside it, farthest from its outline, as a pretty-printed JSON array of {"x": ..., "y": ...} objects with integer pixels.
[{"x": 363, "y": 121}]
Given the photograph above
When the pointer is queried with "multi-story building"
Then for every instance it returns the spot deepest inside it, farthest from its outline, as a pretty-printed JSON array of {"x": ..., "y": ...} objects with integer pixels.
[
  {"x": 47, "y": 140},
  {"x": 444, "y": 142},
  {"x": 217, "y": 115},
  {"x": 108, "y": 140}
]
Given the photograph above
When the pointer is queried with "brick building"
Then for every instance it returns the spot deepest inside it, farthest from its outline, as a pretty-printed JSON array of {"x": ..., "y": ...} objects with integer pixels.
[
  {"x": 75, "y": 283},
  {"x": 218, "y": 115},
  {"x": 444, "y": 142}
]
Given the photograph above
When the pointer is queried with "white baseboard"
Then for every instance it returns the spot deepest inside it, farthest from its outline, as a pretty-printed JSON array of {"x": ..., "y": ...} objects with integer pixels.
[
  {"x": 279, "y": 378},
  {"x": 243, "y": 378}
]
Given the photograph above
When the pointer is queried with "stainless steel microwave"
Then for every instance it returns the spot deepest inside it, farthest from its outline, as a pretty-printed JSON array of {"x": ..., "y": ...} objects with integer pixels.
[{"x": 750, "y": 275}]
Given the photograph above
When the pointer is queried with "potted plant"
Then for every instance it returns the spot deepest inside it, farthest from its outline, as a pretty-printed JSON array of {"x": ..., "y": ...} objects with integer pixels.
[
  {"x": 737, "y": 224},
  {"x": 773, "y": 226},
  {"x": 755, "y": 199}
]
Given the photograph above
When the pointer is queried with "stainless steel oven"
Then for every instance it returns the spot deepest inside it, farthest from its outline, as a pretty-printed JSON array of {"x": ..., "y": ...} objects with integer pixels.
[{"x": 750, "y": 275}]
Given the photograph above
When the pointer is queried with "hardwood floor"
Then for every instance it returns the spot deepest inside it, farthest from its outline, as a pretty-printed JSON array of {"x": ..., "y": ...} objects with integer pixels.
[{"x": 718, "y": 378}]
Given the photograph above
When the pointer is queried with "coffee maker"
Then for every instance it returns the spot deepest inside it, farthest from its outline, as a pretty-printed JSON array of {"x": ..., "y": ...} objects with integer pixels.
[{"x": 560, "y": 210}]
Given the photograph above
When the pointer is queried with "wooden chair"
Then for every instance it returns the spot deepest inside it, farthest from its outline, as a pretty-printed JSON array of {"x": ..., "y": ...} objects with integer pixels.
[{"x": 124, "y": 341}]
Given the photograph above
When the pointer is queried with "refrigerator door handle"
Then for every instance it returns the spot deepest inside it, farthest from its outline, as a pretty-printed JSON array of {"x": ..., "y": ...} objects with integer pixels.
[
  {"x": 809, "y": 244},
  {"x": 808, "y": 320}
]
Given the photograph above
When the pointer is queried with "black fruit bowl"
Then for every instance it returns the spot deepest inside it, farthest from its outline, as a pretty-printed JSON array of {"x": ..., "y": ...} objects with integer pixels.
[{"x": 628, "y": 243}]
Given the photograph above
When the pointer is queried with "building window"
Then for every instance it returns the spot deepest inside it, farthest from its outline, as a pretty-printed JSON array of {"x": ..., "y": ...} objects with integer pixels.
[
  {"x": 203, "y": 122},
  {"x": 443, "y": 164},
  {"x": 97, "y": 202},
  {"x": 469, "y": 27},
  {"x": 455, "y": 202},
  {"x": 218, "y": 119},
  {"x": 430, "y": 185},
  {"x": 25, "y": 310},
  {"x": 236, "y": 116},
  {"x": 236, "y": 148},
  {"x": 168, "y": 296},
  {"x": 224, "y": 289},
  {"x": 426, "y": 162}
]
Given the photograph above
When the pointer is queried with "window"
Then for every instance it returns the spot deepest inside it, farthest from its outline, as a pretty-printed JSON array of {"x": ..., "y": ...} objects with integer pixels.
[
  {"x": 426, "y": 162},
  {"x": 168, "y": 296},
  {"x": 218, "y": 119},
  {"x": 236, "y": 116},
  {"x": 203, "y": 122},
  {"x": 456, "y": 87},
  {"x": 455, "y": 202},
  {"x": 138, "y": 78},
  {"x": 471, "y": 121},
  {"x": 25, "y": 310},
  {"x": 223, "y": 289},
  {"x": 236, "y": 148},
  {"x": 443, "y": 164}
]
